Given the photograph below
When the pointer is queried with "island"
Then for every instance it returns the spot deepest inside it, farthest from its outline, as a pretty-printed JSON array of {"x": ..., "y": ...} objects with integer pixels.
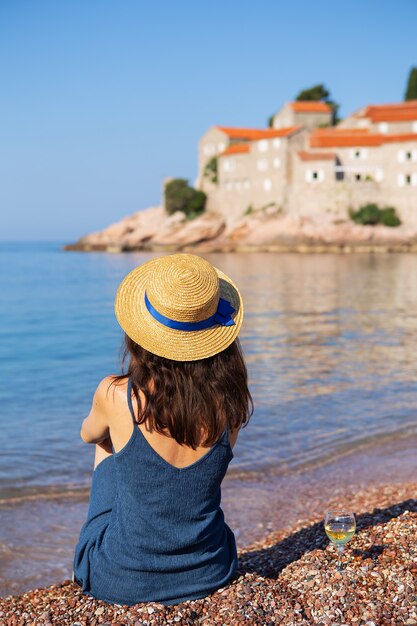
[{"x": 304, "y": 184}]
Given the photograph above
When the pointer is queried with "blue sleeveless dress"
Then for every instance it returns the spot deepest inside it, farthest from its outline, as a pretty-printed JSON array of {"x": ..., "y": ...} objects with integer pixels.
[{"x": 155, "y": 532}]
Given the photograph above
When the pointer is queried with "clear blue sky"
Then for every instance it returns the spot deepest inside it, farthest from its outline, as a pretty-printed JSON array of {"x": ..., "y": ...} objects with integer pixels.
[{"x": 100, "y": 100}]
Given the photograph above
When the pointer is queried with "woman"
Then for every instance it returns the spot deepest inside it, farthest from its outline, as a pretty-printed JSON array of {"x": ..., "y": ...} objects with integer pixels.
[{"x": 164, "y": 433}]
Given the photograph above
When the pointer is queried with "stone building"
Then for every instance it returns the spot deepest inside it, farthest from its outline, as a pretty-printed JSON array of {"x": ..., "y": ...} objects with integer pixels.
[{"x": 303, "y": 165}]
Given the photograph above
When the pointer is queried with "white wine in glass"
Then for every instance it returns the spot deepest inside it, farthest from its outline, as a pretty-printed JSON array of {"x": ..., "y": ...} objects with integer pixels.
[{"x": 340, "y": 526}]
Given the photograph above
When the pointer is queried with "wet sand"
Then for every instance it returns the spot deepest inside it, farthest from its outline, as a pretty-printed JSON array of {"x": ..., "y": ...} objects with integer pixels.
[{"x": 39, "y": 535}]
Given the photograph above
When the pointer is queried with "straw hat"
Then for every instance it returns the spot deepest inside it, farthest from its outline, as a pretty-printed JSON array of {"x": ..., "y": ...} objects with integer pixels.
[{"x": 179, "y": 307}]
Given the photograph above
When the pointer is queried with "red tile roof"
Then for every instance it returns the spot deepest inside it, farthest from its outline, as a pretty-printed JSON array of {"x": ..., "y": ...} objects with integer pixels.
[
  {"x": 310, "y": 106},
  {"x": 316, "y": 156},
  {"x": 354, "y": 137},
  {"x": 236, "y": 148},
  {"x": 402, "y": 112},
  {"x": 400, "y": 138},
  {"x": 346, "y": 137},
  {"x": 253, "y": 134}
]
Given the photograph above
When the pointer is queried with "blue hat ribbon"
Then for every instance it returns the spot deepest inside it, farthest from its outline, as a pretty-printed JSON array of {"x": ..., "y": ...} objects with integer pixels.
[{"x": 222, "y": 316}]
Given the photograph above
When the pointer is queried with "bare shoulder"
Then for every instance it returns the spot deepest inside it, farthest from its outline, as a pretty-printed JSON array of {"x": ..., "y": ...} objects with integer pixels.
[{"x": 110, "y": 391}]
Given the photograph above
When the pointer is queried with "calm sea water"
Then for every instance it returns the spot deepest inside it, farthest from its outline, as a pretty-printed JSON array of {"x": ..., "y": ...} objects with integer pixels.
[{"x": 330, "y": 342}]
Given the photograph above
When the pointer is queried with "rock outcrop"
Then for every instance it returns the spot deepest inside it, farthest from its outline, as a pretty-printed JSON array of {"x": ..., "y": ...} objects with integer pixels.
[{"x": 153, "y": 229}]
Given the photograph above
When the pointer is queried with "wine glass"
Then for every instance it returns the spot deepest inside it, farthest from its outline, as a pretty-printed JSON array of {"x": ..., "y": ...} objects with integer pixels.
[{"x": 340, "y": 526}]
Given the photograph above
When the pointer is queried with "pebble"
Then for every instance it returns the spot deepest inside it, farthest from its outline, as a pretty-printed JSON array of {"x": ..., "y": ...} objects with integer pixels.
[{"x": 288, "y": 578}]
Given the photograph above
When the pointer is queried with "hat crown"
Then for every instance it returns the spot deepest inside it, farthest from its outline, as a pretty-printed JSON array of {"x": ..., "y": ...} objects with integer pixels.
[{"x": 184, "y": 288}]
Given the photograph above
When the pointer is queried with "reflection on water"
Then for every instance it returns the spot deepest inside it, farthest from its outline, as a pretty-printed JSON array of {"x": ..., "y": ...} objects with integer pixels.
[
  {"x": 329, "y": 341},
  {"x": 331, "y": 352}
]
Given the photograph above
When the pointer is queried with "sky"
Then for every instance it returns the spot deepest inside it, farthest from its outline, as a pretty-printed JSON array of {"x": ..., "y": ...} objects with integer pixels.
[{"x": 101, "y": 100}]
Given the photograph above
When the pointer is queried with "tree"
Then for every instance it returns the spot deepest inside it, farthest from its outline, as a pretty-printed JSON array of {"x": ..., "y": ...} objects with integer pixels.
[
  {"x": 319, "y": 93},
  {"x": 179, "y": 196},
  {"x": 411, "y": 91},
  {"x": 315, "y": 93}
]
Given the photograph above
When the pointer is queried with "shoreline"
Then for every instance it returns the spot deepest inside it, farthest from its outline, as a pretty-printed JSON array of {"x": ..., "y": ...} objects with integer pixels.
[
  {"x": 208, "y": 247},
  {"x": 403, "y": 438},
  {"x": 44, "y": 530},
  {"x": 154, "y": 230},
  {"x": 289, "y": 575}
]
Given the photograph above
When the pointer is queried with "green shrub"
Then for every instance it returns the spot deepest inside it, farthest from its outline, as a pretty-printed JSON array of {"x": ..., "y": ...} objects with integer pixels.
[
  {"x": 248, "y": 210},
  {"x": 179, "y": 196},
  {"x": 210, "y": 170},
  {"x": 389, "y": 217},
  {"x": 367, "y": 215},
  {"x": 371, "y": 214}
]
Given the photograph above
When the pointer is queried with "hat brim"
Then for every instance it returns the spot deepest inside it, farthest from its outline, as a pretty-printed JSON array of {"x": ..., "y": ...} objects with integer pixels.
[{"x": 178, "y": 345}]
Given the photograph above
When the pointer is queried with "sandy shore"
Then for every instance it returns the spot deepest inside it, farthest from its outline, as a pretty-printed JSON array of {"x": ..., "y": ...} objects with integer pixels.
[{"x": 288, "y": 577}]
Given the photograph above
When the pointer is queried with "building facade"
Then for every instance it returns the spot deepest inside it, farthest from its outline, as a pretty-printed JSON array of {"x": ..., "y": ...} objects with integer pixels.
[{"x": 304, "y": 165}]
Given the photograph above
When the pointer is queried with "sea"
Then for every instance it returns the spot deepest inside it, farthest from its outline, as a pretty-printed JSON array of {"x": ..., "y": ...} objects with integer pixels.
[{"x": 330, "y": 342}]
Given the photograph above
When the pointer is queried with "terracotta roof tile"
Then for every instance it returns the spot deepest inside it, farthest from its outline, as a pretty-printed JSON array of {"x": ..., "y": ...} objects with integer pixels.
[
  {"x": 310, "y": 106},
  {"x": 343, "y": 138},
  {"x": 253, "y": 134},
  {"x": 351, "y": 137},
  {"x": 400, "y": 138},
  {"x": 402, "y": 112},
  {"x": 316, "y": 156},
  {"x": 236, "y": 148}
]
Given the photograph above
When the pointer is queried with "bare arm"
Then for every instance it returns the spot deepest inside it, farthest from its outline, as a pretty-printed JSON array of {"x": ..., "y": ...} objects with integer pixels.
[{"x": 95, "y": 427}]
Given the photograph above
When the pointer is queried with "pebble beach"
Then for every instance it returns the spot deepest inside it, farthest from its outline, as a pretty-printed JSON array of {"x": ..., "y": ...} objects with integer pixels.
[{"x": 289, "y": 577}]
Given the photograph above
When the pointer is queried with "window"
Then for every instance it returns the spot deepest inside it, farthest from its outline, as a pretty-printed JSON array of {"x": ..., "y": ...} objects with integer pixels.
[
  {"x": 246, "y": 184},
  {"x": 276, "y": 143},
  {"x": 267, "y": 184},
  {"x": 359, "y": 153},
  {"x": 262, "y": 165},
  {"x": 208, "y": 149},
  {"x": 379, "y": 176},
  {"x": 228, "y": 165},
  {"x": 383, "y": 127},
  {"x": 229, "y": 185},
  {"x": 276, "y": 163},
  {"x": 238, "y": 184},
  {"x": 414, "y": 127},
  {"x": 263, "y": 145},
  {"x": 314, "y": 176},
  {"x": 221, "y": 147},
  {"x": 407, "y": 179},
  {"x": 407, "y": 155}
]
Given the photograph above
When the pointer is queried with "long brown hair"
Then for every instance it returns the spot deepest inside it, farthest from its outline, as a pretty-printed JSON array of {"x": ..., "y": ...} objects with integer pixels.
[{"x": 189, "y": 398}]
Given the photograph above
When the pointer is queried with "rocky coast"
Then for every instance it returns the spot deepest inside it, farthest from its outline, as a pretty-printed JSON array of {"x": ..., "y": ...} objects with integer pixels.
[
  {"x": 266, "y": 230},
  {"x": 289, "y": 577}
]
